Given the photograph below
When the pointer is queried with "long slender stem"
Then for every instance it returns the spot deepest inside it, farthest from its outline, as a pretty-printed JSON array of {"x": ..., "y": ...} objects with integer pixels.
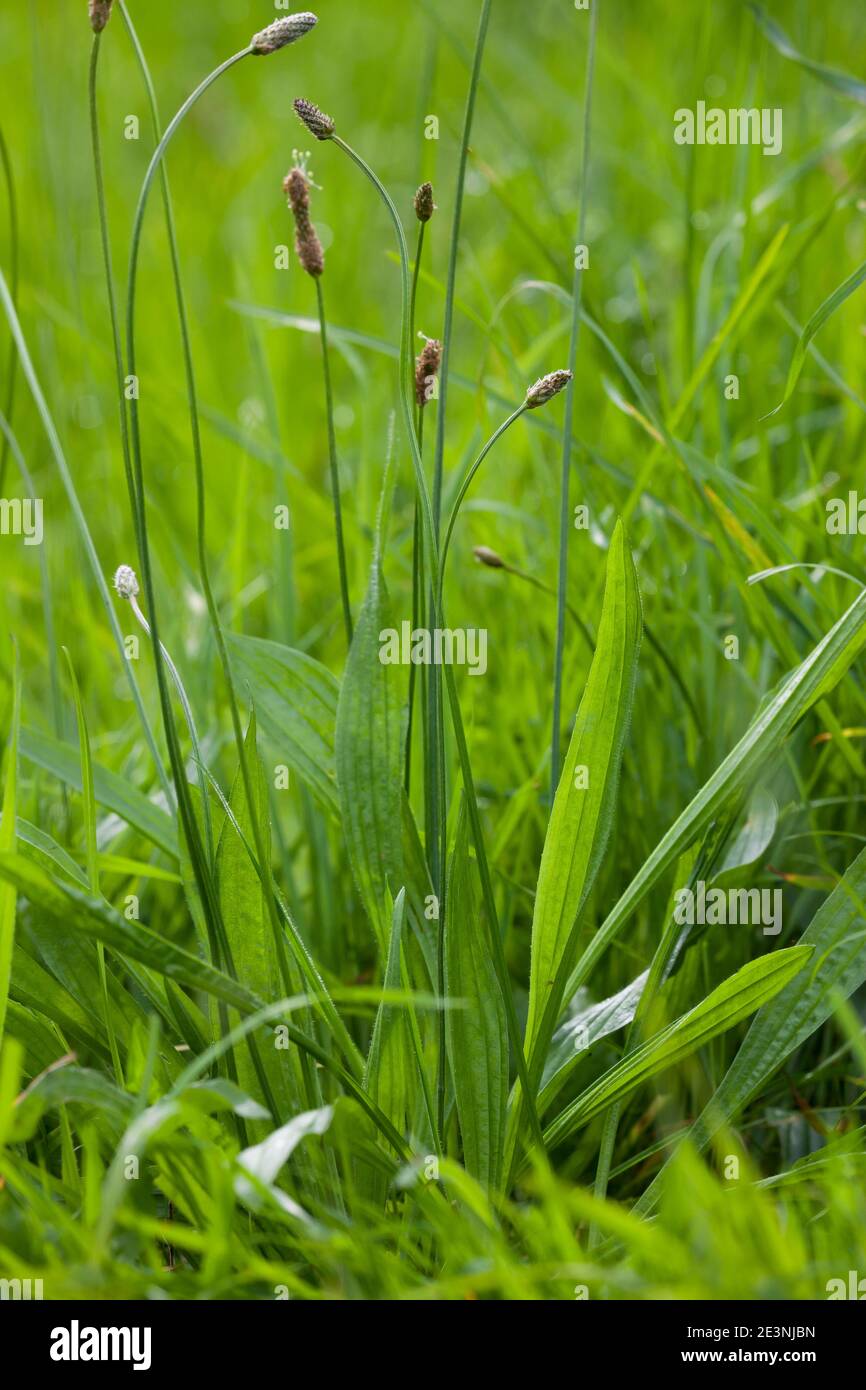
[
  {"x": 564, "y": 516},
  {"x": 497, "y": 950},
  {"x": 12, "y": 370},
  {"x": 29, "y": 374},
  {"x": 332, "y": 461},
  {"x": 435, "y": 713},
  {"x": 417, "y": 546},
  {"x": 452, "y": 257},
  {"x": 203, "y": 878}
]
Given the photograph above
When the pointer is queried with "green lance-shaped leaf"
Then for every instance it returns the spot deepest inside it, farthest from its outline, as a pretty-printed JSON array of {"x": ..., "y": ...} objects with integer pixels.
[
  {"x": 369, "y": 747},
  {"x": 295, "y": 699},
  {"x": 837, "y": 937},
  {"x": 249, "y": 933},
  {"x": 112, "y": 791},
  {"x": 101, "y": 922},
  {"x": 737, "y": 997},
  {"x": 477, "y": 1034},
  {"x": 803, "y": 687},
  {"x": 388, "y": 1076},
  {"x": 586, "y": 796}
]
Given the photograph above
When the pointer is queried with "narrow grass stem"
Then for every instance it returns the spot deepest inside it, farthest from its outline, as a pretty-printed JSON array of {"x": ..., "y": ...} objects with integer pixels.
[
  {"x": 12, "y": 369},
  {"x": 497, "y": 949},
  {"x": 332, "y": 461},
  {"x": 29, "y": 374},
  {"x": 451, "y": 279},
  {"x": 564, "y": 515}
]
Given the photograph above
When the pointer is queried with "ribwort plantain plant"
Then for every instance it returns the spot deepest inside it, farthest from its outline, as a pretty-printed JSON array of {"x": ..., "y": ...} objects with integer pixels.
[{"x": 300, "y": 1015}]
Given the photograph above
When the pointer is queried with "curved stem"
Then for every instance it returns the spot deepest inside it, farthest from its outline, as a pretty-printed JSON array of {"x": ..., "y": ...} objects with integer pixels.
[
  {"x": 332, "y": 462},
  {"x": 464, "y": 488},
  {"x": 204, "y": 881}
]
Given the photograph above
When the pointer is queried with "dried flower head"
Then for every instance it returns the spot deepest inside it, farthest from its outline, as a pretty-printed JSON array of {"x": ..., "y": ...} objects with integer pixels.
[
  {"x": 283, "y": 31},
  {"x": 307, "y": 244},
  {"x": 125, "y": 581},
  {"x": 546, "y": 388},
  {"x": 486, "y": 556},
  {"x": 100, "y": 13},
  {"x": 426, "y": 367},
  {"x": 316, "y": 121},
  {"x": 424, "y": 205}
]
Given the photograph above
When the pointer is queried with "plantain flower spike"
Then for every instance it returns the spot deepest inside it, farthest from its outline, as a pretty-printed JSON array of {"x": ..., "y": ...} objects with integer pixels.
[
  {"x": 281, "y": 32},
  {"x": 546, "y": 388}
]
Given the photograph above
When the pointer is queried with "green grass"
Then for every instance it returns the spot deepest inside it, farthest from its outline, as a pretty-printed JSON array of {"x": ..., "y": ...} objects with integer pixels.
[{"x": 303, "y": 997}]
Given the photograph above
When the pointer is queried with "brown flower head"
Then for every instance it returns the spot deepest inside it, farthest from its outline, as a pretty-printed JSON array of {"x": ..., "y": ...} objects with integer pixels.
[
  {"x": 546, "y": 388},
  {"x": 307, "y": 244},
  {"x": 100, "y": 13},
  {"x": 426, "y": 367},
  {"x": 424, "y": 205},
  {"x": 316, "y": 121},
  {"x": 281, "y": 32}
]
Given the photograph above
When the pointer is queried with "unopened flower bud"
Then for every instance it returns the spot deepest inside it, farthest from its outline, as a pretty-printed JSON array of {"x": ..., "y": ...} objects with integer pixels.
[
  {"x": 424, "y": 205},
  {"x": 125, "y": 581},
  {"x": 546, "y": 388},
  {"x": 282, "y": 31}
]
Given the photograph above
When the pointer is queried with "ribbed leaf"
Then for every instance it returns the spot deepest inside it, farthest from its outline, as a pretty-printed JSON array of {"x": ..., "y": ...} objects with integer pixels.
[
  {"x": 296, "y": 701},
  {"x": 101, "y": 922},
  {"x": 814, "y": 678},
  {"x": 388, "y": 1076},
  {"x": 740, "y": 995},
  {"x": 369, "y": 746},
  {"x": 582, "y": 814},
  {"x": 837, "y": 937},
  {"x": 477, "y": 1033},
  {"x": 111, "y": 790}
]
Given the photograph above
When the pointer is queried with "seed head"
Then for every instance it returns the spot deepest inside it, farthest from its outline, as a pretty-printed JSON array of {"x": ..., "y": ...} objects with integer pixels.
[
  {"x": 426, "y": 367},
  {"x": 307, "y": 244},
  {"x": 488, "y": 557},
  {"x": 283, "y": 31},
  {"x": 424, "y": 205},
  {"x": 100, "y": 13},
  {"x": 546, "y": 388},
  {"x": 316, "y": 121},
  {"x": 125, "y": 581}
]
